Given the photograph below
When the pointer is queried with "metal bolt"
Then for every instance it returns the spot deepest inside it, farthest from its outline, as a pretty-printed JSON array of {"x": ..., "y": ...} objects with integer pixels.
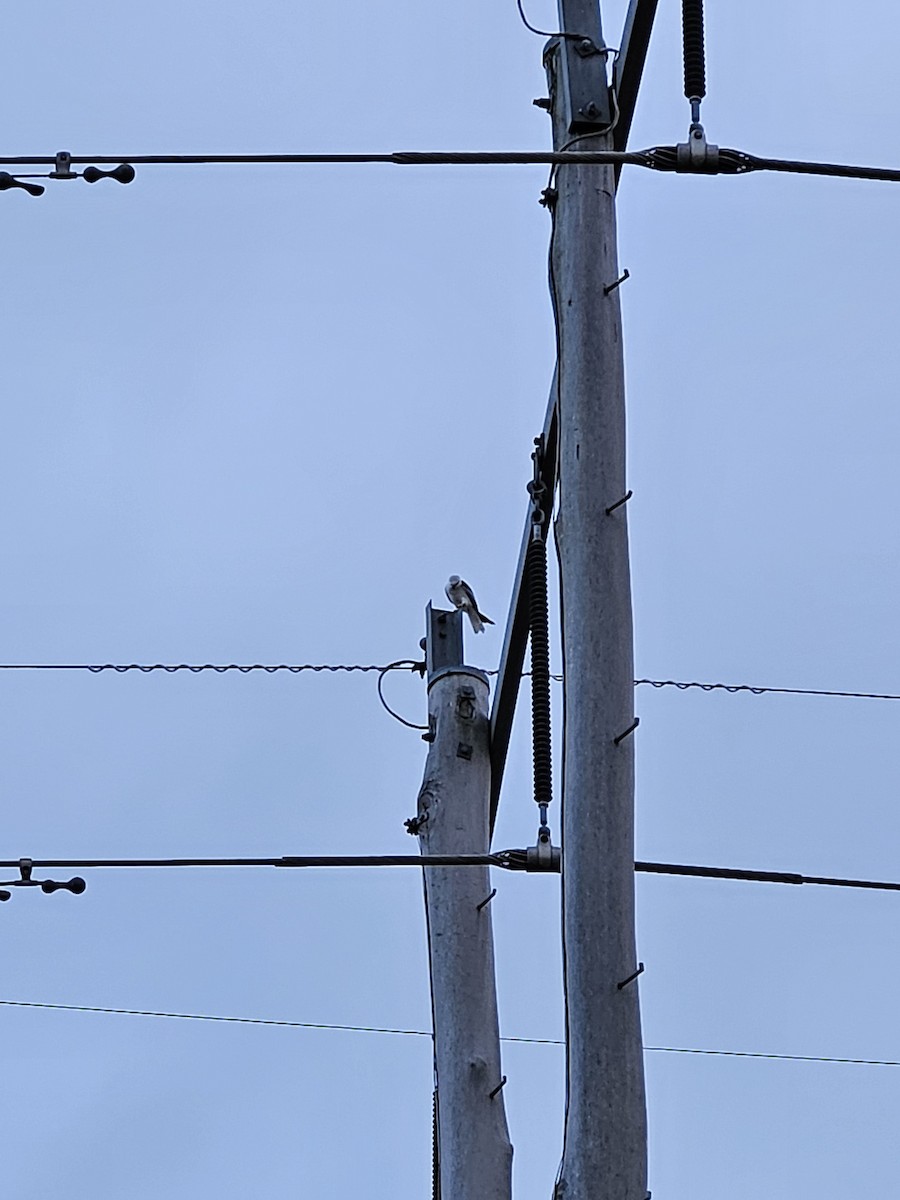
[{"x": 591, "y": 111}]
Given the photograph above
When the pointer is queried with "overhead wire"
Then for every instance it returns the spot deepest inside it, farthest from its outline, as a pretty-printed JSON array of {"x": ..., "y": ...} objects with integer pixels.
[
  {"x": 757, "y": 690},
  {"x": 413, "y": 665},
  {"x": 402, "y": 664},
  {"x": 195, "y": 668},
  {"x": 532, "y": 1041},
  {"x": 562, "y": 33},
  {"x": 509, "y": 860},
  {"x": 657, "y": 158}
]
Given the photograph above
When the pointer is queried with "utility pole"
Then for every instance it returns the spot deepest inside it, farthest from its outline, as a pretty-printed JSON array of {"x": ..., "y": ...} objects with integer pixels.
[
  {"x": 473, "y": 1150},
  {"x": 605, "y": 1149}
]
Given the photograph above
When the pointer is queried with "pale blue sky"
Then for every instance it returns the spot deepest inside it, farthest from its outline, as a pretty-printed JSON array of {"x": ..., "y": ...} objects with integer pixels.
[{"x": 261, "y": 414}]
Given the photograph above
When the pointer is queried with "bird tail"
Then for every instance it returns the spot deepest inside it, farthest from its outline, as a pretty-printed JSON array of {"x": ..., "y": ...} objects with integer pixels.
[
  {"x": 476, "y": 618},
  {"x": 483, "y": 620}
]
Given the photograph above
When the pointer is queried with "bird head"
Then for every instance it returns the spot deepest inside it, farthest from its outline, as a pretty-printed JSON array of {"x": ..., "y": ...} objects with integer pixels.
[{"x": 454, "y": 581}]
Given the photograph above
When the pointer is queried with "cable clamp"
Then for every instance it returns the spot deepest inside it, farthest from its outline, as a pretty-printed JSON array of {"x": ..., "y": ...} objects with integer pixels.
[
  {"x": 544, "y": 856},
  {"x": 63, "y": 166},
  {"x": 696, "y": 156},
  {"x": 26, "y": 866}
]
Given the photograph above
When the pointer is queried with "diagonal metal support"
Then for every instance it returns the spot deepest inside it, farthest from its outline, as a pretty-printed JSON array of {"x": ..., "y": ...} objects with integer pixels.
[{"x": 629, "y": 67}]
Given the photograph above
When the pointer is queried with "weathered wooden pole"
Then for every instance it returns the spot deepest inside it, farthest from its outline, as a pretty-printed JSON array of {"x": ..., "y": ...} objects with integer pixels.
[
  {"x": 605, "y": 1155},
  {"x": 475, "y": 1154}
]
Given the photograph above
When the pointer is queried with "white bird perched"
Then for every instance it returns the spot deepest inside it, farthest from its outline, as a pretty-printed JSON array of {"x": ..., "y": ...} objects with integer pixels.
[{"x": 461, "y": 596}]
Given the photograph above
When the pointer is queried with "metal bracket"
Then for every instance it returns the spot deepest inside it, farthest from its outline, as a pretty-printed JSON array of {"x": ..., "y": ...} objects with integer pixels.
[
  {"x": 544, "y": 856},
  {"x": 537, "y": 489},
  {"x": 581, "y": 81},
  {"x": 443, "y": 639},
  {"x": 63, "y": 166}
]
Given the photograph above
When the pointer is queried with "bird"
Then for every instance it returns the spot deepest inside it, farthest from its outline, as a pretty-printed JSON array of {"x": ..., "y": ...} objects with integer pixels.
[{"x": 461, "y": 596}]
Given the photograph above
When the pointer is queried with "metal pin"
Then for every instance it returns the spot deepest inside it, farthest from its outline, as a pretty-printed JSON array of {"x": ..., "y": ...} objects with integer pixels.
[
  {"x": 618, "y": 504},
  {"x": 486, "y": 900},
  {"x": 612, "y": 286},
  {"x": 498, "y": 1088},
  {"x": 631, "y": 728},
  {"x": 631, "y": 978}
]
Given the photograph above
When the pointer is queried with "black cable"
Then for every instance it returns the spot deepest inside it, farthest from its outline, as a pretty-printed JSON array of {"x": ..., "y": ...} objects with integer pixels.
[
  {"x": 244, "y": 668},
  {"x": 411, "y": 665},
  {"x": 403, "y": 158},
  {"x": 510, "y": 860},
  {"x": 753, "y": 876},
  {"x": 290, "y": 860},
  {"x": 142, "y": 1012},
  {"x": 838, "y": 170},
  {"x": 559, "y": 33},
  {"x": 733, "y": 688},
  {"x": 658, "y": 158}
]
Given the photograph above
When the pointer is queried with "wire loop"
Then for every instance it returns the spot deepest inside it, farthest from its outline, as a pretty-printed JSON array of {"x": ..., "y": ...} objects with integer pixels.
[{"x": 401, "y": 664}]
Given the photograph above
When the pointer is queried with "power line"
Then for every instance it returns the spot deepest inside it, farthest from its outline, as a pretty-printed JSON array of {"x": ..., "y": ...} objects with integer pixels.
[
  {"x": 502, "y": 858},
  {"x": 753, "y": 876},
  {"x": 195, "y": 668},
  {"x": 510, "y": 860},
  {"x": 717, "y": 161},
  {"x": 532, "y": 1041},
  {"x": 759, "y": 691},
  {"x": 412, "y": 665},
  {"x": 858, "y": 1062}
]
